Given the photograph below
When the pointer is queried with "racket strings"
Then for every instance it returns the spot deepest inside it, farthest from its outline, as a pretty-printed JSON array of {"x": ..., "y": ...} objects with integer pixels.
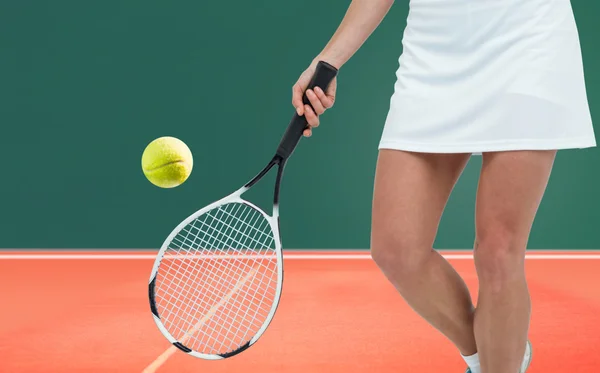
[
  {"x": 223, "y": 323},
  {"x": 217, "y": 281},
  {"x": 227, "y": 269}
]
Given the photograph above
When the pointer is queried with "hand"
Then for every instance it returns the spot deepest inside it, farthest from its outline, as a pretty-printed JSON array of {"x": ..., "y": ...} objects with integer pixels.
[{"x": 319, "y": 100}]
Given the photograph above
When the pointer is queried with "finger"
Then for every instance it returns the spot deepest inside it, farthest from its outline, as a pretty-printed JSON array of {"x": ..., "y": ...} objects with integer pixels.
[
  {"x": 332, "y": 88},
  {"x": 311, "y": 117},
  {"x": 307, "y": 133},
  {"x": 297, "y": 99},
  {"x": 326, "y": 101},
  {"x": 315, "y": 102}
]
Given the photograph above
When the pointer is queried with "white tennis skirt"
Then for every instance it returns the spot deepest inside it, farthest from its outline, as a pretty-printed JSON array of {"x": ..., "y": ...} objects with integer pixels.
[{"x": 489, "y": 75}]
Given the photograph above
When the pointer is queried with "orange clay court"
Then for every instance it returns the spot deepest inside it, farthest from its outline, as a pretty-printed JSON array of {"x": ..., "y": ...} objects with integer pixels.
[{"x": 83, "y": 311}]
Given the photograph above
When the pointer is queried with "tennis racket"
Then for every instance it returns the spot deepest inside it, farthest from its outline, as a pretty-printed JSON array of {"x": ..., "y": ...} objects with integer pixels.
[{"x": 216, "y": 282}]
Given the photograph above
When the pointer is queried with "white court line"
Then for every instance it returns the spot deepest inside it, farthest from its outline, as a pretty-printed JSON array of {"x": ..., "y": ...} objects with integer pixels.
[{"x": 285, "y": 256}]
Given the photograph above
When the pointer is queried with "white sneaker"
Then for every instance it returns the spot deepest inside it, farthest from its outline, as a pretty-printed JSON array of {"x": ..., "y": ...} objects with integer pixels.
[{"x": 526, "y": 359}]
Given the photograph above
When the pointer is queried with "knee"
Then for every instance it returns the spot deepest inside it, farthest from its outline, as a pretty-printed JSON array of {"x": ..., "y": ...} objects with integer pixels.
[
  {"x": 499, "y": 258},
  {"x": 399, "y": 256}
]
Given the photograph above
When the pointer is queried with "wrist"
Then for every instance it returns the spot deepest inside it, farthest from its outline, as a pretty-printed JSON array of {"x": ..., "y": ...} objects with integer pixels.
[{"x": 330, "y": 59}]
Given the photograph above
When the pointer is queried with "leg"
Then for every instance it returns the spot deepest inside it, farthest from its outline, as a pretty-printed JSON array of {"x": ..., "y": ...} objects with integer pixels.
[
  {"x": 510, "y": 190},
  {"x": 411, "y": 191}
]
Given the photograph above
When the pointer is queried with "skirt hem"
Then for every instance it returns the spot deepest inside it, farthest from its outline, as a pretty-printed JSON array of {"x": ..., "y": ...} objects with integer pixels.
[{"x": 495, "y": 146}]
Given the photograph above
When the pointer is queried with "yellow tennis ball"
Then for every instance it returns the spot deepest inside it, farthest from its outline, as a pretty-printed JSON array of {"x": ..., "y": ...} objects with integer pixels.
[{"x": 167, "y": 162}]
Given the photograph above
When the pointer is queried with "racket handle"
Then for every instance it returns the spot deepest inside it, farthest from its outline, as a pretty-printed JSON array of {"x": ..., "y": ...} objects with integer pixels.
[{"x": 324, "y": 74}]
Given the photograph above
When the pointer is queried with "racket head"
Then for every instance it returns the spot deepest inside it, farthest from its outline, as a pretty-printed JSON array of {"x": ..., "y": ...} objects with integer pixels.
[{"x": 226, "y": 296}]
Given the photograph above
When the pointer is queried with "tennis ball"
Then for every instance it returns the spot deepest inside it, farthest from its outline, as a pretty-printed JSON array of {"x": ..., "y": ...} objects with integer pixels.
[{"x": 167, "y": 162}]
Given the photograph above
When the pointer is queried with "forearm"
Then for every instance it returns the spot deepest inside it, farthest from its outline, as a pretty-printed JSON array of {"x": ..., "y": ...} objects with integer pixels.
[{"x": 361, "y": 19}]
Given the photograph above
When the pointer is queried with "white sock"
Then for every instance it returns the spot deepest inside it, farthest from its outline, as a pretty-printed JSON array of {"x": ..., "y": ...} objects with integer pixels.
[{"x": 473, "y": 362}]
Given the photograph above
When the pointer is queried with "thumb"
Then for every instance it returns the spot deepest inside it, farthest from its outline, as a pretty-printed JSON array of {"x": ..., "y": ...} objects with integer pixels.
[{"x": 297, "y": 92}]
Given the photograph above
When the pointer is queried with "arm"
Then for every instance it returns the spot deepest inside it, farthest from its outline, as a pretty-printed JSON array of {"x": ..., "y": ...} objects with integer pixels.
[{"x": 361, "y": 19}]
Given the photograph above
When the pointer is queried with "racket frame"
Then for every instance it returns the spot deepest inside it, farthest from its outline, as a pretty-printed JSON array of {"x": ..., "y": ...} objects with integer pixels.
[
  {"x": 324, "y": 74},
  {"x": 273, "y": 220}
]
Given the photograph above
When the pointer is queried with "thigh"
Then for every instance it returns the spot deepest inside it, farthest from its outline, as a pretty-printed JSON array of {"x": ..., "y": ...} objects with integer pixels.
[
  {"x": 510, "y": 190},
  {"x": 411, "y": 190}
]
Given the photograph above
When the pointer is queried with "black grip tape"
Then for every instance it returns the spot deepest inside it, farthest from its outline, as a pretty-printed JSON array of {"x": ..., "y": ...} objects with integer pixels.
[{"x": 324, "y": 74}]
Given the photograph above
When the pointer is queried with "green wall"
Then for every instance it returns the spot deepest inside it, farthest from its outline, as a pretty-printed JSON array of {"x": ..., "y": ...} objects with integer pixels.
[{"x": 84, "y": 86}]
